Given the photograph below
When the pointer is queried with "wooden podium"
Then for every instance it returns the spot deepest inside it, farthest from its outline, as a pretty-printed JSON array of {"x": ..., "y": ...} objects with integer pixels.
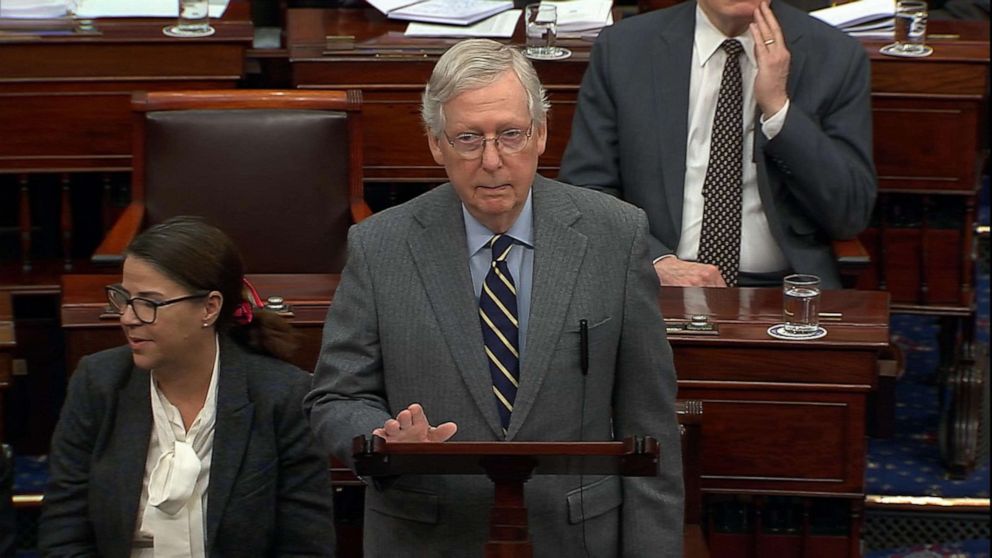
[{"x": 509, "y": 465}]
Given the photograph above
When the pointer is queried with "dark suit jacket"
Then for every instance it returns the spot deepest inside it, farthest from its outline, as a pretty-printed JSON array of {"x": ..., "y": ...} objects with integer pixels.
[
  {"x": 404, "y": 328},
  {"x": 816, "y": 178},
  {"x": 269, "y": 492}
]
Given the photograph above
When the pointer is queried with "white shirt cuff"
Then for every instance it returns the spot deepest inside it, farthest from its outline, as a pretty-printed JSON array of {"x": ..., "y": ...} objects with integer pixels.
[{"x": 773, "y": 125}]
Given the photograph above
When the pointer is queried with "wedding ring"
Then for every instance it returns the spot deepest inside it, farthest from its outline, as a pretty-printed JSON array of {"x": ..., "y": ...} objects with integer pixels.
[{"x": 769, "y": 42}]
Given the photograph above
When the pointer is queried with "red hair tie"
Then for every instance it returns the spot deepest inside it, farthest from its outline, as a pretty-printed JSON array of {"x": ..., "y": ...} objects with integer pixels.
[{"x": 243, "y": 312}]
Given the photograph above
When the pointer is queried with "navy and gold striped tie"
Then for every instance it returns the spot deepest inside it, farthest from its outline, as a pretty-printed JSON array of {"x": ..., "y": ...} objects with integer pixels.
[{"x": 498, "y": 314}]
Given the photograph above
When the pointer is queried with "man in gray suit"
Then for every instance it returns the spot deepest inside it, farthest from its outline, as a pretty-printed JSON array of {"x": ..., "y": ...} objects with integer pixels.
[
  {"x": 645, "y": 120},
  {"x": 428, "y": 322}
]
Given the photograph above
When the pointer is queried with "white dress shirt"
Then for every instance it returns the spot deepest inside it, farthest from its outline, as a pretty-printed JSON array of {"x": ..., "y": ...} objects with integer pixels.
[
  {"x": 759, "y": 250},
  {"x": 173, "y": 503}
]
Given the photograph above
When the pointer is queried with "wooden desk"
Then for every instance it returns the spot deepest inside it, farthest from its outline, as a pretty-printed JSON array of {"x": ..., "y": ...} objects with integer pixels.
[
  {"x": 65, "y": 100},
  {"x": 7, "y": 344},
  {"x": 90, "y": 327},
  {"x": 936, "y": 101},
  {"x": 781, "y": 417}
]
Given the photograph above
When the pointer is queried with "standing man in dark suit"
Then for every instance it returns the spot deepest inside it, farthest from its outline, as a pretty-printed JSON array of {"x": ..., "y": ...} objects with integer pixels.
[
  {"x": 646, "y": 130},
  {"x": 465, "y": 305}
]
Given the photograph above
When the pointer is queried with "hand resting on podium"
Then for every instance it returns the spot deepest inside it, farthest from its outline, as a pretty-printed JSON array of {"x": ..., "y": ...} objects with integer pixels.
[{"x": 411, "y": 425}]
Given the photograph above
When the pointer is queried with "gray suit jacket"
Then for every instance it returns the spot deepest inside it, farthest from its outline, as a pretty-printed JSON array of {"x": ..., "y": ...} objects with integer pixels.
[
  {"x": 404, "y": 328},
  {"x": 816, "y": 178},
  {"x": 269, "y": 492}
]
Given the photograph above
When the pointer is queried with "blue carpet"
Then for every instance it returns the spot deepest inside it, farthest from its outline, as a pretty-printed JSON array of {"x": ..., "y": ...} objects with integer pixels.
[
  {"x": 963, "y": 549},
  {"x": 30, "y": 474},
  {"x": 908, "y": 463}
]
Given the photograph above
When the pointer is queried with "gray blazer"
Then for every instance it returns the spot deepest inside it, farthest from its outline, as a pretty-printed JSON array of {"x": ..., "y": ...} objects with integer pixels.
[
  {"x": 269, "y": 492},
  {"x": 816, "y": 178},
  {"x": 404, "y": 328}
]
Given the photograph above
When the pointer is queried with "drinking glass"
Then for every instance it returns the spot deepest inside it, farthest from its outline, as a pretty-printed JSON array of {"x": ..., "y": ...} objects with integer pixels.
[
  {"x": 801, "y": 304},
  {"x": 194, "y": 20},
  {"x": 910, "y": 30},
  {"x": 542, "y": 30}
]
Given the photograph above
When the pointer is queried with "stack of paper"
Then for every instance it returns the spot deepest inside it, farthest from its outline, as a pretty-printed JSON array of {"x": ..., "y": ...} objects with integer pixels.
[
  {"x": 499, "y": 26},
  {"x": 580, "y": 18},
  {"x": 30, "y": 9},
  {"x": 145, "y": 8},
  {"x": 863, "y": 18},
  {"x": 451, "y": 12}
]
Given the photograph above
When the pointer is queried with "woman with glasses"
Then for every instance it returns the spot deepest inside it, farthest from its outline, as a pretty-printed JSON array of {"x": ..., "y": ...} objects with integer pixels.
[{"x": 190, "y": 440}]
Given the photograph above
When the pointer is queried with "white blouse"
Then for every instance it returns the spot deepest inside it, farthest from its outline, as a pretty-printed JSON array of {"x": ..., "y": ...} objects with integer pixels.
[{"x": 173, "y": 503}]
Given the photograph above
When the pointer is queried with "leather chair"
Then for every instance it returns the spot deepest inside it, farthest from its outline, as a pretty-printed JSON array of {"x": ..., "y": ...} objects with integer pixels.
[{"x": 279, "y": 171}]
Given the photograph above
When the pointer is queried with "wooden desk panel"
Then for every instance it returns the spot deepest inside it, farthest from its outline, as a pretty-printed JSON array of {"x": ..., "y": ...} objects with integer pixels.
[
  {"x": 7, "y": 345},
  {"x": 64, "y": 100},
  {"x": 780, "y": 417}
]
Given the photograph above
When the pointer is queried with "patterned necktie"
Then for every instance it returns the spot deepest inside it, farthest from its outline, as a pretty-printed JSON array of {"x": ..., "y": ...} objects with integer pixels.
[
  {"x": 498, "y": 314},
  {"x": 720, "y": 237}
]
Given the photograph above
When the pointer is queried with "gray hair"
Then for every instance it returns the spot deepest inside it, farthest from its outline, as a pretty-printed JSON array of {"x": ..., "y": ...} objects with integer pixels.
[{"x": 475, "y": 63}]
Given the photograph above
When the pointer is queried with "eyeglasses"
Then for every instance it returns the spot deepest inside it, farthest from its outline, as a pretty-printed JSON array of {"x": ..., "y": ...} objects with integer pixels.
[
  {"x": 145, "y": 309},
  {"x": 470, "y": 145}
]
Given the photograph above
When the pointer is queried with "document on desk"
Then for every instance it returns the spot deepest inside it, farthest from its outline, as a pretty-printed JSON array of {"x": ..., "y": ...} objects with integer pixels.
[
  {"x": 450, "y": 12},
  {"x": 575, "y": 16},
  {"x": 145, "y": 8},
  {"x": 499, "y": 26},
  {"x": 33, "y": 9},
  {"x": 851, "y": 14}
]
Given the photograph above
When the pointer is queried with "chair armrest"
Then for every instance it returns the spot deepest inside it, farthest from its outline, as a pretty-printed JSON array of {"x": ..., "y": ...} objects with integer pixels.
[
  {"x": 111, "y": 249},
  {"x": 359, "y": 210},
  {"x": 851, "y": 253},
  {"x": 852, "y": 260}
]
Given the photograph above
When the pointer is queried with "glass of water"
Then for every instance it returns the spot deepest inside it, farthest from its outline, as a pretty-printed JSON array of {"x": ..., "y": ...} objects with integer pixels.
[
  {"x": 194, "y": 20},
  {"x": 910, "y": 30},
  {"x": 542, "y": 30},
  {"x": 801, "y": 304}
]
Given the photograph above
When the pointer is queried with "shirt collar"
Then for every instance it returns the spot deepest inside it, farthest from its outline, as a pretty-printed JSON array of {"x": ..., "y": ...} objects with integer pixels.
[
  {"x": 522, "y": 230},
  {"x": 708, "y": 39}
]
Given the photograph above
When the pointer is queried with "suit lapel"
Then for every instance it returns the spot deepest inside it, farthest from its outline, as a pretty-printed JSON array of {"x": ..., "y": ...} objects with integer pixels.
[
  {"x": 558, "y": 254},
  {"x": 133, "y": 429},
  {"x": 439, "y": 252},
  {"x": 672, "y": 47},
  {"x": 231, "y": 433}
]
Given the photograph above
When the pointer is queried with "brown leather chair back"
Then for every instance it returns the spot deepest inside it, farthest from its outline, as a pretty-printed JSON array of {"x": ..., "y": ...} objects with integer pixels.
[{"x": 279, "y": 171}]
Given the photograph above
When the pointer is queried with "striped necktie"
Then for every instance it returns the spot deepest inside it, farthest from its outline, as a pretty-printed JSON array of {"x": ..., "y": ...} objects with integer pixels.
[
  {"x": 720, "y": 237},
  {"x": 498, "y": 314}
]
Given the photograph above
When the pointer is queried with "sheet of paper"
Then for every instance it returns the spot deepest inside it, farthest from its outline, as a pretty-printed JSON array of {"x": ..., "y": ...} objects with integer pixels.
[
  {"x": 144, "y": 8},
  {"x": 386, "y": 6},
  {"x": 499, "y": 26},
  {"x": 588, "y": 34},
  {"x": 579, "y": 15},
  {"x": 854, "y": 13},
  {"x": 33, "y": 9},
  {"x": 451, "y": 12}
]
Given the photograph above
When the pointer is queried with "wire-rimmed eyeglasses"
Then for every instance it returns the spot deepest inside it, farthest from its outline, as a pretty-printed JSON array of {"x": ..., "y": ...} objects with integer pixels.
[
  {"x": 471, "y": 145},
  {"x": 145, "y": 309}
]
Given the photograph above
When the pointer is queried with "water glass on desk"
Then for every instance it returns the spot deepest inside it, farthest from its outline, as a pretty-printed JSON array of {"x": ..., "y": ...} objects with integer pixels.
[
  {"x": 194, "y": 20},
  {"x": 801, "y": 304},
  {"x": 910, "y": 30},
  {"x": 541, "y": 21}
]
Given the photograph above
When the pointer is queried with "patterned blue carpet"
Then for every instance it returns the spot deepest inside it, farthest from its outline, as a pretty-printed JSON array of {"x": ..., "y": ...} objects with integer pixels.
[{"x": 964, "y": 549}]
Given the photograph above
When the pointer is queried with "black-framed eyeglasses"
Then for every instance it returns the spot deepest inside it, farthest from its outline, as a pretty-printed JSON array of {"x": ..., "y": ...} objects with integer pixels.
[
  {"x": 471, "y": 145},
  {"x": 145, "y": 309}
]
